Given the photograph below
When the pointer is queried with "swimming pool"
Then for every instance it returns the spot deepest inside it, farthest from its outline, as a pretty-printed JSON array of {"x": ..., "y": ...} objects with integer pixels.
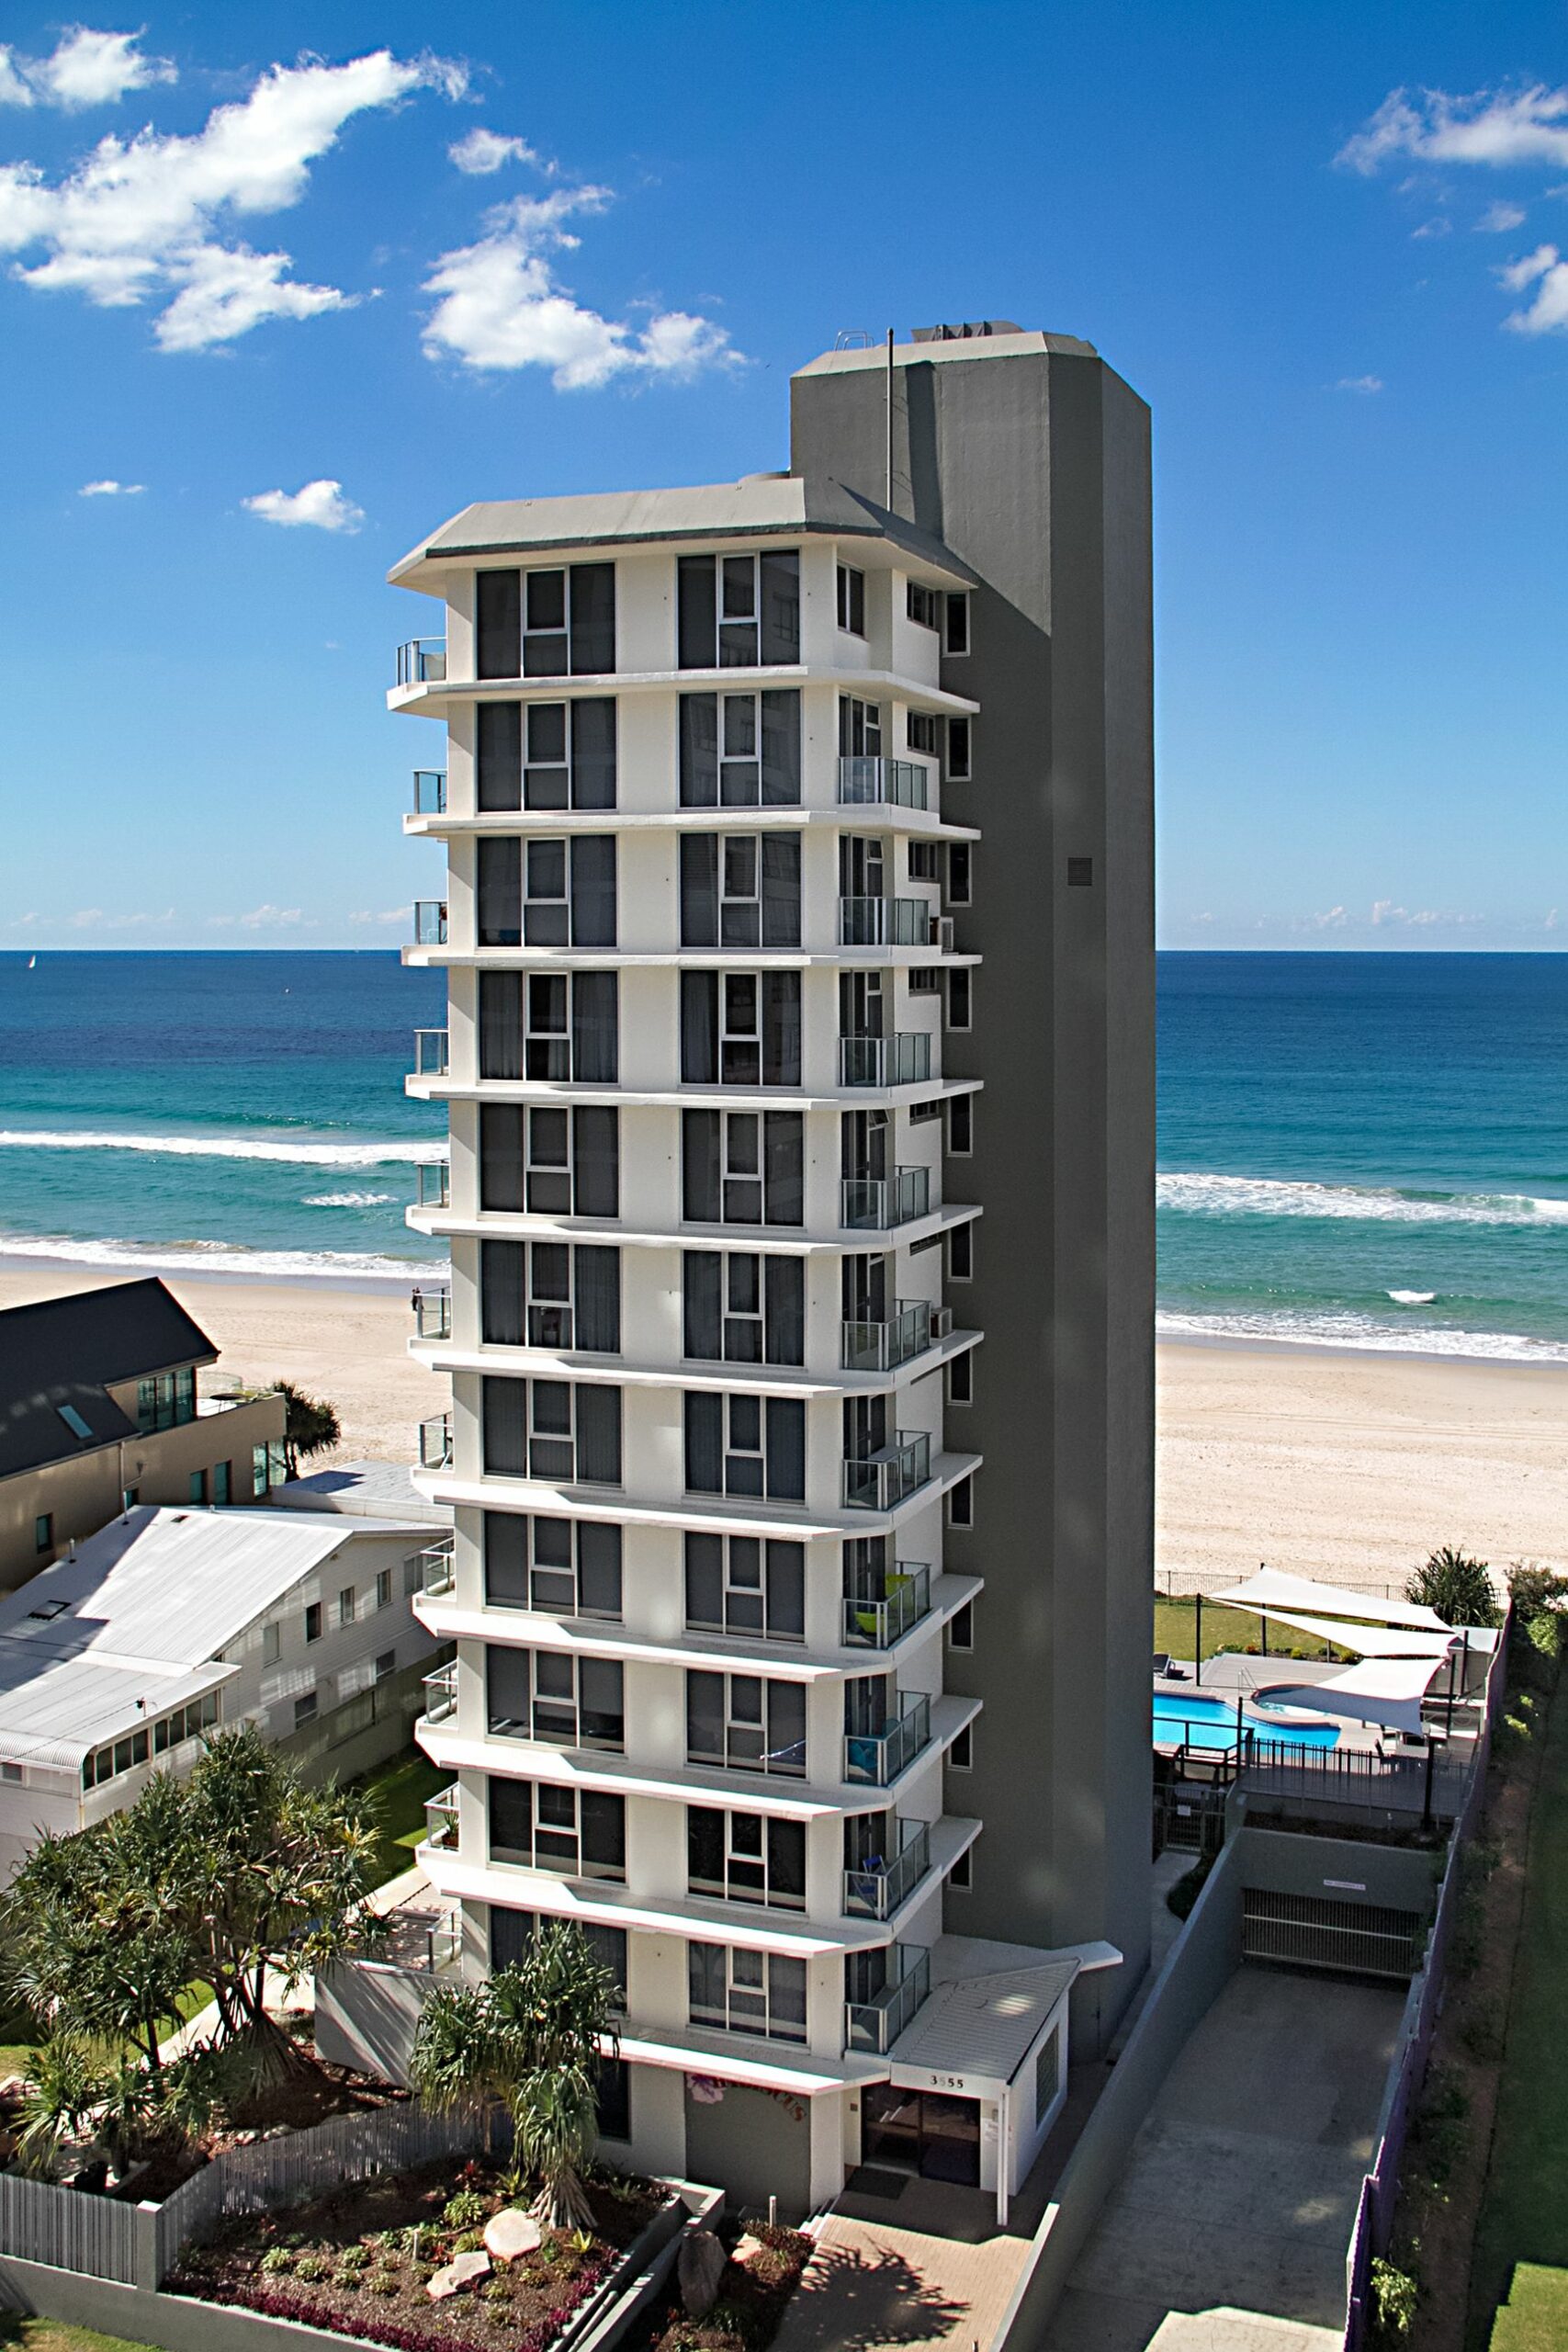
[{"x": 1211, "y": 1723}]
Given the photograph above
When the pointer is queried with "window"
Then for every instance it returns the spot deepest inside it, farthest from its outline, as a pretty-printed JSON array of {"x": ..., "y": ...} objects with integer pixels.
[
  {"x": 955, "y": 637},
  {"x": 740, "y": 890},
  {"x": 525, "y": 899},
  {"x": 576, "y": 1834},
  {"x": 557, "y": 1430},
  {"x": 738, "y": 1584},
  {"x": 1047, "y": 2073},
  {"x": 739, "y": 612},
  {"x": 746, "y": 1992},
  {"x": 746, "y": 1723},
  {"x": 548, "y": 1162},
  {"x": 12, "y": 1772},
  {"x": 74, "y": 1420},
  {"x": 961, "y": 1253},
  {"x": 959, "y": 1877},
  {"x": 168, "y": 1732},
  {"x": 958, "y": 874},
  {"x": 741, "y": 1857},
  {"x": 925, "y": 861},
  {"x": 550, "y": 1294},
  {"x": 741, "y": 1028},
  {"x": 743, "y": 1308},
  {"x": 743, "y": 1167},
  {"x": 961, "y": 1755},
  {"x": 545, "y": 755},
  {"x": 741, "y": 750},
  {"x": 197, "y": 1492},
  {"x": 745, "y": 1445},
  {"x": 960, "y": 1628},
  {"x": 923, "y": 605},
  {"x": 921, "y": 731},
  {"x": 513, "y": 1932},
  {"x": 860, "y": 729},
  {"x": 959, "y": 993},
  {"x": 163, "y": 1402},
  {"x": 961, "y": 1383},
  {"x": 851, "y": 600},
  {"x": 561, "y": 1568},
  {"x": 223, "y": 1481},
  {"x": 921, "y": 1114},
  {"x": 549, "y": 1025},
  {"x": 958, "y": 738},
  {"x": 43, "y": 1532},
  {"x": 306, "y": 1707},
  {"x": 925, "y": 980},
  {"x": 961, "y": 1504},
  {"x": 258, "y": 1470},
  {"x": 346, "y": 1606},
  {"x": 547, "y": 624},
  {"x": 562, "y": 1702},
  {"x": 313, "y": 1622},
  {"x": 384, "y": 1588},
  {"x": 272, "y": 1642},
  {"x": 1080, "y": 873},
  {"x": 385, "y": 1665}
]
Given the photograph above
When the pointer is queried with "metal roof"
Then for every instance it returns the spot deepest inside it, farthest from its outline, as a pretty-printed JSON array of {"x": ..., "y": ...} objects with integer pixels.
[
  {"x": 63, "y": 1354},
  {"x": 132, "y": 1622},
  {"x": 363, "y": 1491},
  {"x": 984, "y": 2025}
]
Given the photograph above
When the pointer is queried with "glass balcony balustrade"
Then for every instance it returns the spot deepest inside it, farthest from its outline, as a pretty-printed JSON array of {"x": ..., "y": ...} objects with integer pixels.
[
  {"x": 430, "y": 792},
  {"x": 875, "y": 1619},
  {"x": 877, "y": 1203},
  {"x": 441, "y": 1693},
  {"x": 876, "y": 1888},
  {"x": 883, "y": 1347},
  {"x": 876, "y": 2025},
  {"x": 441, "y": 1820},
  {"x": 887, "y": 923},
  {"x": 422, "y": 662},
  {"x": 432, "y": 1314},
  {"x": 434, "y": 1569},
  {"x": 865, "y": 782},
  {"x": 430, "y": 1053},
  {"x": 880, "y": 1481},
  {"x": 876, "y": 1758},
  {"x": 901, "y": 1061},
  {"x": 435, "y": 1179},
  {"x": 435, "y": 1443},
  {"x": 430, "y": 922}
]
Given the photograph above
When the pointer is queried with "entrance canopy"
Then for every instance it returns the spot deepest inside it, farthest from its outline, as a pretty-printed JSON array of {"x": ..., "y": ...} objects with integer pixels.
[
  {"x": 1273, "y": 1591},
  {"x": 1370, "y": 1641},
  {"x": 1387, "y": 1691}
]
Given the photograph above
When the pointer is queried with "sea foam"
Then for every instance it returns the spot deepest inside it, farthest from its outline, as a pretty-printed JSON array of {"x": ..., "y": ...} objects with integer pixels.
[
  {"x": 298, "y": 1152},
  {"x": 1206, "y": 1196},
  {"x": 224, "y": 1258},
  {"x": 1309, "y": 1328}
]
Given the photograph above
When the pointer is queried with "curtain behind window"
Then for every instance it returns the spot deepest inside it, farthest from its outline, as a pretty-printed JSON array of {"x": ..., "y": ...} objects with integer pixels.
[
  {"x": 783, "y": 1167},
  {"x": 507, "y": 1700},
  {"x": 594, "y": 1056},
  {"x": 699, "y": 889},
  {"x": 498, "y": 631},
  {"x": 783, "y": 1295},
  {"x": 699, "y": 1028},
  {"x": 786, "y": 1589},
  {"x": 511, "y": 1820},
  {"x": 698, "y": 623},
  {"x": 593, "y": 752},
  {"x": 781, "y": 889},
  {"x": 596, "y": 1160},
  {"x": 705, "y": 1443},
  {"x": 501, "y": 1156},
  {"x": 702, "y": 1280},
  {"x": 592, "y": 587},
  {"x": 780, "y": 598},
  {"x": 500, "y": 893},
  {"x": 506, "y": 1424},
  {"x": 596, "y": 1289},
  {"x": 780, "y": 1028},
  {"x": 786, "y": 1449},
  {"x": 699, "y": 750},
  {"x": 781, "y": 750},
  {"x": 593, "y": 890},
  {"x": 506, "y": 1559},
  {"x": 499, "y": 755},
  {"x": 502, "y": 1322},
  {"x": 699, "y": 1167},
  {"x": 598, "y": 1419},
  {"x": 500, "y": 1024}
]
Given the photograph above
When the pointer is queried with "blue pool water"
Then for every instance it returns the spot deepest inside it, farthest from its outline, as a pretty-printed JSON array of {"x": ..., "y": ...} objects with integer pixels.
[{"x": 1210, "y": 1722}]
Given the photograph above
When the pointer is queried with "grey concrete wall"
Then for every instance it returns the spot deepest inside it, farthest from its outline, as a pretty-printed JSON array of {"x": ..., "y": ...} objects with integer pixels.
[
  {"x": 366, "y": 2015},
  {"x": 1401, "y": 1877},
  {"x": 755, "y": 2146},
  {"x": 1034, "y": 469}
]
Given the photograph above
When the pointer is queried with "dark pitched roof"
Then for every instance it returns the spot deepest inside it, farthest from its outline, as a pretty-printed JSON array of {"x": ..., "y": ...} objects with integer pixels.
[{"x": 63, "y": 1353}]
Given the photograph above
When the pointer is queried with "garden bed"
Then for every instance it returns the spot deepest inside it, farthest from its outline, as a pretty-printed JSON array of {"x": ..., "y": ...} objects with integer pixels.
[
  {"x": 751, "y": 2295},
  {"x": 356, "y": 2261}
]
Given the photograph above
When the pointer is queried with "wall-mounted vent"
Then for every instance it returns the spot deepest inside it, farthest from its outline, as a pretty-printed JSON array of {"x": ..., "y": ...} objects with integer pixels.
[{"x": 1080, "y": 873}]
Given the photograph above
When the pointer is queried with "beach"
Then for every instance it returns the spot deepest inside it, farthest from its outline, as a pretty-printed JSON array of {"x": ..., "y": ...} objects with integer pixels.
[{"x": 1350, "y": 1466}]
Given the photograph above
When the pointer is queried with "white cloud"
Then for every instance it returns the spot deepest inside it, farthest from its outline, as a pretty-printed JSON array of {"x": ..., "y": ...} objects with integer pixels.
[
  {"x": 1367, "y": 384},
  {"x": 483, "y": 152},
  {"x": 1437, "y": 227},
  {"x": 1334, "y": 919},
  {"x": 88, "y": 69},
  {"x": 262, "y": 918},
  {"x": 107, "y": 489},
  {"x": 1491, "y": 126},
  {"x": 1386, "y": 913},
  {"x": 500, "y": 306},
  {"x": 1546, "y": 270},
  {"x": 141, "y": 218},
  {"x": 319, "y": 503},
  {"x": 1499, "y": 217},
  {"x": 94, "y": 919},
  {"x": 389, "y": 915}
]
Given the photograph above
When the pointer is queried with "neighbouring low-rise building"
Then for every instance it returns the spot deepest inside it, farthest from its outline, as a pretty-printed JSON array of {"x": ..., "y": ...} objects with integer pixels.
[{"x": 101, "y": 1407}]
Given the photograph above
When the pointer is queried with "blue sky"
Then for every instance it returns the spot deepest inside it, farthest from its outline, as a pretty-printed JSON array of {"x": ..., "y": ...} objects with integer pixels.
[{"x": 1348, "y": 309}]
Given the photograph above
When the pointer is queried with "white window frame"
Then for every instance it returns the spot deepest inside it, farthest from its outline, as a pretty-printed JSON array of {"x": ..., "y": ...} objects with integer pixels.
[
  {"x": 740, "y": 910},
  {"x": 552, "y": 907},
  {"x": 554, "y": 1046},
  {"x": 346, "y": 1605},
  {"x": 724, "y": 618},
  {"x": 728, "y": 1175},
  {"x": 561, "y": 628},
  {"x": 554, "y": 1168},
  {"x": 384, "y": 1588},
  {"x": 736, "y": 1042},
  {"x": 923, "y": 605},
  {"x": 860, "y": 727},
  {"x": 540, "y": 1305},
  {"x": 754, "y": 1988},
  {"x": 921, "y": 733}
]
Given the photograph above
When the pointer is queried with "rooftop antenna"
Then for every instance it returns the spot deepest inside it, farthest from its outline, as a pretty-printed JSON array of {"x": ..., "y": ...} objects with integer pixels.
[{"x": 888, "y": 502}]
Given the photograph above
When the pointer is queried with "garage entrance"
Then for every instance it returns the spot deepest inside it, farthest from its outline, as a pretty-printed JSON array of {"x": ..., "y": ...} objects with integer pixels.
[
  {"x": 928, "y": 2133},
  {"x": 1309, "y": 1931}
]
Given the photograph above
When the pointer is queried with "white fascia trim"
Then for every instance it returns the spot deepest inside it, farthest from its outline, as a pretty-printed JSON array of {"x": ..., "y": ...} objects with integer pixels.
[
  {"x": 732, "y": 959},
  {"x": 890, "y": 818},
  {"x": 430, "y": 699},
  {"x": 811, "y": 2077},
  {"x": 782, "y": 1240},
  {"x": 688, "y": 1098},
  {"x": 770, "y": 1380}
]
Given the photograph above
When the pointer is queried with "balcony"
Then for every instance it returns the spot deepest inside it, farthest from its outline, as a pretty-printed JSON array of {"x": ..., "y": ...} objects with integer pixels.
[
  {"x": 432, "y": 1314},
  {"x": 441, "y": 1693},
  {"x": 892, "y": 784},
  {"x": 876, "y": 2025},
  {"x": 876, "y": 1889},
  {"x": 430, "y": 792},
  {"x": 430, "y": 1053},
  {"x": 903, "y": 1060},
  {"x": 878, "y": 1202},
  {"x": 905, "y": 1600},
  {"x": 430, "y": 922},
  {"x": 883, "y": 1347},
  {"x": 883, "y": 1479},
  {"x": 887, "y": 923},
  {"x": 435, "y": 1184},
  {"x": 436, "y": 1570},
  {"x": 874, "y": 1759},
  {"x": 422, "y": 662},
  {"x": 435, "y": 1443},
  {"x": 441, "y": 1821}
]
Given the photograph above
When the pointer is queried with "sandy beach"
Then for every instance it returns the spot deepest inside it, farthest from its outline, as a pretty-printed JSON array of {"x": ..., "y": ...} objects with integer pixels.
[{"x": 1347, "y": 1466}]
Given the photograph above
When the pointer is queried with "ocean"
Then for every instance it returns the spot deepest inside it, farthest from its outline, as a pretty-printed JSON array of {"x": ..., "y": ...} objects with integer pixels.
[{"x": 1366, "y": 1151}]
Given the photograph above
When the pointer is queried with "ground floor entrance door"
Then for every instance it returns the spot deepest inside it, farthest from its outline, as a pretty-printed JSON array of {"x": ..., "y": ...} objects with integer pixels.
[{"x": 925, "y": 2133}]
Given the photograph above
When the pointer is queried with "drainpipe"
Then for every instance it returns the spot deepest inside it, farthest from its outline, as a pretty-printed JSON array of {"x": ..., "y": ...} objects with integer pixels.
[
  {"x": 1197, "y": 1640},
  {"x": 1004, "y": 2155}
]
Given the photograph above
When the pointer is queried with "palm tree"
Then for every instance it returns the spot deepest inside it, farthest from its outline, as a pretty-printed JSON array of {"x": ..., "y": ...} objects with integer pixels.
[
  {"x": 530, "y": 2036},
  {"x": 310, "y": 1426},
  {"x": 1457, "y": 1587}
]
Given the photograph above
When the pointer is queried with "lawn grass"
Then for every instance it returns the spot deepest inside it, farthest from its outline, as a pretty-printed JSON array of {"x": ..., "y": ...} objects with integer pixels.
[
  {"x": 1224, "y": 1629},
  {"x": 52, "y": 2335},
  {"x": 400, "y": 1788},
  {"x": 1535, "y": 2317},
  {"x": 1523, "y": 2214}
]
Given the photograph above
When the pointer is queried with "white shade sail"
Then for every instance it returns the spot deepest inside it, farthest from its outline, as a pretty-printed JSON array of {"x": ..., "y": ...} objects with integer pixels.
[
  {"x": 1369, "y": 1640},
  {"x": 1379, "y": 1691},
  {"x": 1272, "y": 1589}
]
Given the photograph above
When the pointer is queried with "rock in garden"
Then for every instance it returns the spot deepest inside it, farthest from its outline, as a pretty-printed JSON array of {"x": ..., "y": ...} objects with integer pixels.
[
  {"x": 749, "y": 2251},
  {"x": 511, "y": 2232},
  {"x": 461, "y": 2271},
  {"x": 699, "y": 2266}
]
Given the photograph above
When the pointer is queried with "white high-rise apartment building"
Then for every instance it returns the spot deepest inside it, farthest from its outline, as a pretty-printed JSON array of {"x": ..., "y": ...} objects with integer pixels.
[{"x": 708, "y": 1449}]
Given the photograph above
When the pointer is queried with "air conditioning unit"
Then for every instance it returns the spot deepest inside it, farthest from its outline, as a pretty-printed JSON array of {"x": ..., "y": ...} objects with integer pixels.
[
  {"x": 941, "y": 927},
  {"x": 941, "y": 1322}
]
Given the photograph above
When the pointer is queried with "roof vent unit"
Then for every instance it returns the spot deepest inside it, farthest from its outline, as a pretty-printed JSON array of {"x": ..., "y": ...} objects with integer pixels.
[
  {"x": 49, "y": 1609},
  {"x": 967, "y": 331}
]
